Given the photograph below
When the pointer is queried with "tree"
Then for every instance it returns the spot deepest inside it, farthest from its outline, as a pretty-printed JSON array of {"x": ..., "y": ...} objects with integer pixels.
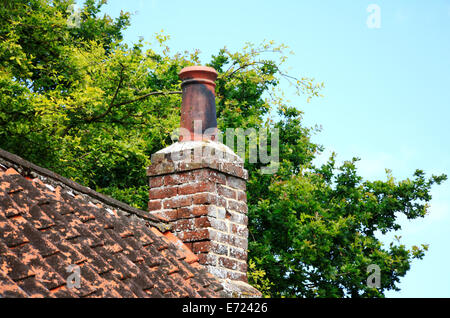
[{"x": 80, "y": 102}]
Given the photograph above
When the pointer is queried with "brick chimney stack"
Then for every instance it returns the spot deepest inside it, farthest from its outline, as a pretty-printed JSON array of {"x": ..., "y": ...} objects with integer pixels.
[{"x": 199, "y": 185}]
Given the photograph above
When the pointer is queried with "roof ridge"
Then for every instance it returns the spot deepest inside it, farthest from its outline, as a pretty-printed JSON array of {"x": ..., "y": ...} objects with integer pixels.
[{"x": 25, "y": 167}]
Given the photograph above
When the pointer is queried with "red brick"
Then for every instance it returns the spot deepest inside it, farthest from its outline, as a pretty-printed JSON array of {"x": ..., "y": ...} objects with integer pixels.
[
  {"x": 223, "y": 238},
  {"x": 160, "y": 168},
  {"x": 219, "y": 248},
  {"x": 156, "y": 182},
  {"x": 238, "y": 218},
  {"x": 202, "y": 222},
  {"x": 236, "y": 276},
  {"x": 193, "y": 211},
  {"x": 219, "y": 224},
  {"x": 245, "y": 220},
  {"x": 226, "y": 192},
  {"x": 171, "y": 215},
  {"x": 214, "y": 176},
  {"x": 201, "y": 247},
  {"x": 232, "y": 264},
  {"x": 192, "y": 224},
  {"x": 236, "y": 183},
  {"x": 199, "y": 210},
  {"x": 221, "y": 201},
  {"x": 184, "y": 212},
  {"x": 162, "y": 193},
  {"x": 207, "y": 259},
  {"x": 172, "y": 179},
  {"x": 196, "y": 188},
  {"x": 190, "y": 165},
  {"x": 238, "y": 253},
  {"x": 154, "y": 205},
  {"x": 198, "y": 235},
  {"x": 202, "y": 258},
  {"x": 183, "y": 225},
  {"x": 233, "y": 169},
  {"x": 227, "y": 263},
  {"x": 237, "y": 206},
  {"x": 242, "y": 196},
  {"x": 238, "y": 242},
  {"x": 204, "y": 198},
  {"x": 181, "y": 177},
  {"x": 239, "y": 230},
  {"x": 177, "y": 202}
]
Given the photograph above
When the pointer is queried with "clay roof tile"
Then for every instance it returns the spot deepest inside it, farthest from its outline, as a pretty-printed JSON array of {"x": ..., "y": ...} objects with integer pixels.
[{"x": 50, "y": 227}]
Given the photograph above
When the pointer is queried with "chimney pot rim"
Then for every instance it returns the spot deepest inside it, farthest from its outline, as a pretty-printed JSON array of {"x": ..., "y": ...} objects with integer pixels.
[{"x": 198, "y": 69}]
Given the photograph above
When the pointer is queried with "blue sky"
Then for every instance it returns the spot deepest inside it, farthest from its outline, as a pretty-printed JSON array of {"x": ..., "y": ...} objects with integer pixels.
[{"x": 387, "y": 90}]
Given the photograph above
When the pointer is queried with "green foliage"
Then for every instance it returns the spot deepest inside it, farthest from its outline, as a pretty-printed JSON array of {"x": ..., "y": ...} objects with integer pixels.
[
  {"x": 326, "y": 220},
  {"x": 257, "y": 278},
  {"x": 78, "y": 101}
]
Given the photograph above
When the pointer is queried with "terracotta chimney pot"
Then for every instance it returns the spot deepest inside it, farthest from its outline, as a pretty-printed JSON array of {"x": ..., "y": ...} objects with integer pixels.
[{"x": 198, "y": 106}]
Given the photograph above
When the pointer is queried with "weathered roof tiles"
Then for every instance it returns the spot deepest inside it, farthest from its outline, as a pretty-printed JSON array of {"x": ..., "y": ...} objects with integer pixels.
[{"x": 47, "y": 229}]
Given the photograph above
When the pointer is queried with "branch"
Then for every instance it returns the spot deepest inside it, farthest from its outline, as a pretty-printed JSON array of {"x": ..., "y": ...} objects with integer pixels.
[
  {"x": 289, "y": 78},
  {"x": 147, "y": 95},
  {"x": 111, "y": 105}
]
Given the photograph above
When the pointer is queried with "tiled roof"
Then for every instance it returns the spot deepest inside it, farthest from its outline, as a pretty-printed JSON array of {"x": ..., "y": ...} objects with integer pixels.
[{"x": 48, "y": 223}]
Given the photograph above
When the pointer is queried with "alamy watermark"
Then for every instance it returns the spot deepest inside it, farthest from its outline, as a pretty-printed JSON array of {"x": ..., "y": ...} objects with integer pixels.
[
  {"x": 74, "y": 279},
  {"x": 263, "y": 146},
  {"x": 74, "y": 20},
  {"x": 374, "y": 279},
  {"x": 374, "y": 18}
]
